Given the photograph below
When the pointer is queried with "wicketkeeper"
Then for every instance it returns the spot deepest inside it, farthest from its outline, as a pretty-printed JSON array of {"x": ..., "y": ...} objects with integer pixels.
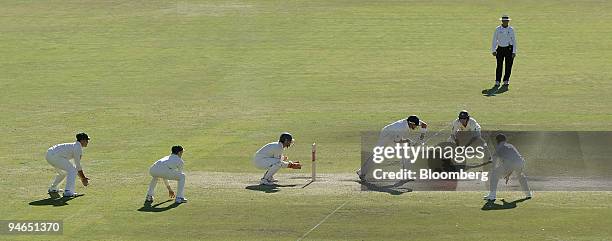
[
  {"x": 59, "y": 155},
  {"x": 511, "y": 161},
  {"x": 270, "y": 157},
  {"x": 169, "y": 168}
]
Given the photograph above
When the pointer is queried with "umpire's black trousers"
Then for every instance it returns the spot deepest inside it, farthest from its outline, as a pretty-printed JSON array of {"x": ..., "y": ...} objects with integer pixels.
[{"x": 504, "y": 54}]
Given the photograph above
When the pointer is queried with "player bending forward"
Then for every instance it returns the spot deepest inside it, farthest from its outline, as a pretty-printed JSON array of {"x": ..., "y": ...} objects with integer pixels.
[
  {"x": 169, "y": 168},
  {"x": 466, "y": 132},
  {"x": 59, "y": 155},
  {"x": 511, "y": 161},
  {"x": 401, "y": 131},
  {"x": 271, "y": 158}
]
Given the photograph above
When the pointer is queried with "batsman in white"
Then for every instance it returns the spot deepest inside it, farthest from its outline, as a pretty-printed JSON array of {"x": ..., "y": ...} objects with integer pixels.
[
  {"x": 270, "y": 157},
  {"x": 169, "y": 168},
  {"x": 59, "y": 155},
  {"x": 401, "y": 131},
  {"x": 511, "y": 161}
]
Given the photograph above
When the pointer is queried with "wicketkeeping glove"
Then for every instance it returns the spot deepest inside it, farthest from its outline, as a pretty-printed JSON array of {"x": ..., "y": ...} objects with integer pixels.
[{"x": 295, "y": 165}]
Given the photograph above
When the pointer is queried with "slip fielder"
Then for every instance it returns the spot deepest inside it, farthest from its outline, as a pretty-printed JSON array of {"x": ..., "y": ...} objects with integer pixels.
[
  {"x": 270, "y": 157},
  {"x": 59, "y": 155},
  {"x": 169, "y": 168}
]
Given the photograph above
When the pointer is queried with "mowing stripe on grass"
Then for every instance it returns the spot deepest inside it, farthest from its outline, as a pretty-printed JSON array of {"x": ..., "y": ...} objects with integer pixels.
[{"x": 323, "y": 220}]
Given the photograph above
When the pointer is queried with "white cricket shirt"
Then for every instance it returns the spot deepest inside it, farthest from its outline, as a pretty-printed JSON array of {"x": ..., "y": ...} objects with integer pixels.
[
  {"x": 270, "y": 150},
  {"x": 472, "y": 126},
  {"x": 401, "y": 130},
  {"x": 68, "y": 151},
  {"x": 508, "y": 154},
  {"x": 503, "y": 37},
  {"x": 172, "y": 161}
]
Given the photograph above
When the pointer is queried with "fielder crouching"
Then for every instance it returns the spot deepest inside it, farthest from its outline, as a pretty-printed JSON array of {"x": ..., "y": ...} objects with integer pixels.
[
  {"x": 169, "y": 168},
  {"x": 466, "y": 132},
  {"x": 271, "y": 158},
  {"x": 511, "y": 162},
  {"x": 59, "y": 155}
]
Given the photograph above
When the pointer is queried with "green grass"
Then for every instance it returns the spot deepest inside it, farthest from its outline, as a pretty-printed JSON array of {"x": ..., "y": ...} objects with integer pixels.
[{"x": 223, "y": 78}]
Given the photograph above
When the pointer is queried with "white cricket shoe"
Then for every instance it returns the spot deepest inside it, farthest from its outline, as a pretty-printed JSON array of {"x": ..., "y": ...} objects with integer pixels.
[
  {"x": 54, "y": 191},
  {"x": 266, "y": 182},
  {"x": 529, "y": 195},
  {"x": 149, "y": 199},
  {"x": 180, "y": 200},
  {"x": 70, "y": 194},
  {"x": 489, "y": 198}
]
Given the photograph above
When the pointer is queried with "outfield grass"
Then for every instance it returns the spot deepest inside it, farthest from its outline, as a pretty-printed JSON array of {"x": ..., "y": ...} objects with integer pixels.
[{"x": 223, "y": 78}]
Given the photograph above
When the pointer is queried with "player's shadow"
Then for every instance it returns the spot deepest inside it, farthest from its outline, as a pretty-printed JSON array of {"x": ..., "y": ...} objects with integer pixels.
[
  {"x": 267, "y": 188},
  {"x": 491, "y": 205},
  {"x": 393, "y": 189},
  {"x": 147, "y": 207},
  {"x": 55, "y": 200},
  {"x": 495, "y": 90}
]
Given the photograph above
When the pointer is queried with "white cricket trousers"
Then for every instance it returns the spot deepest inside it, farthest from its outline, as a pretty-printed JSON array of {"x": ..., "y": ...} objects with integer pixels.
[
  {"x": 385, "y": 139},
  {"x": 162, "y": 171},
  {"x": 64, "y": 168},
  {"x": 271, "y": 165},
  {"x": 502, "y": 171}
]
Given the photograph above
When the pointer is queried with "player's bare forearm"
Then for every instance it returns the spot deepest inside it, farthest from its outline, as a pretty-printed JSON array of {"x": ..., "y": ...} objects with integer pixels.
[{"x": 83, "y": 178}]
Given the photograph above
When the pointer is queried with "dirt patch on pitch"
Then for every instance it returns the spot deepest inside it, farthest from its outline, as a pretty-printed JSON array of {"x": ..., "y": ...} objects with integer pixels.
[
  {"x": 348, "y": 183},
  {"x": 336, "y": 183}
]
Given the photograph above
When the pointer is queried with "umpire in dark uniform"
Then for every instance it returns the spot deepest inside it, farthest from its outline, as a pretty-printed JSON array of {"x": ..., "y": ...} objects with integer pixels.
[{"x": 504, "y": 49}]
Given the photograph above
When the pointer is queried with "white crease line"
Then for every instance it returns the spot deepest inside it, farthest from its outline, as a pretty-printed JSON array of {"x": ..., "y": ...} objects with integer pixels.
[{"x": 322, "y": 221}]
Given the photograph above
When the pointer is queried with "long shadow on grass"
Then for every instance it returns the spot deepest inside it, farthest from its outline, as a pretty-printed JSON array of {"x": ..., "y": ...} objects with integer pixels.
[
  {"x": 393, "y": 189},
  {"x": 267, "y": 188},
  {"x": 55, "y": 200},
  {"x": 495, "y": 90},
  {"x": 491, "y": 205},
  {"x": 147, "y": 207}
]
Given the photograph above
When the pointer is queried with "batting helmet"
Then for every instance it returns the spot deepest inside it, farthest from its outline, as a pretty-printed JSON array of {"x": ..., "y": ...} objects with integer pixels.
[
  {"x": 464, "y": 114},
  {"x": 413, "y": 119},
  {"x": 176, "y": 149},
  {"x": 82, "y": 136},
  {"x": 286, "y": 136}
]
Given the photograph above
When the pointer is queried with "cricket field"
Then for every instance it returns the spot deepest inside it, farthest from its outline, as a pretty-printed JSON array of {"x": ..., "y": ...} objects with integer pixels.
[{"x": 222, "y": 78}]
